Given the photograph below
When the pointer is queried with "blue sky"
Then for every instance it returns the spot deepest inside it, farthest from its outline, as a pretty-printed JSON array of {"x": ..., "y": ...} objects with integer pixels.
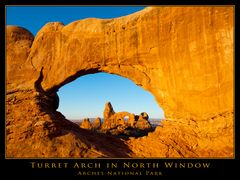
[{"x": 87, "y": 95}]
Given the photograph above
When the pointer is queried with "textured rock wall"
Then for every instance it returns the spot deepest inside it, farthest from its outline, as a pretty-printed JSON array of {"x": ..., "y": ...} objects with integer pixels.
[{"x": 182, "y": 55}]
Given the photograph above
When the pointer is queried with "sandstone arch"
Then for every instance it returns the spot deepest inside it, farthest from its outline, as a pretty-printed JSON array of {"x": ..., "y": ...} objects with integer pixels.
[{"x": 182, "y": 55}]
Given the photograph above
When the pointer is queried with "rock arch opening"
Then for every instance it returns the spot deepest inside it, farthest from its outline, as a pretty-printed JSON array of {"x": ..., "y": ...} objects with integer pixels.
[
  {"x": 83, "y": 101},
  {"x": 126, "y": 118}
]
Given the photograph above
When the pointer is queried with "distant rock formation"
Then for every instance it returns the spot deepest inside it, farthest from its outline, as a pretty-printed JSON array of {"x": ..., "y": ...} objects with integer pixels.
[
  {"x": 108, "y": 112},
  {"x": 86, "y": 124},
  {"x": 142, "y": 122},
  {"x": 125, "y": 123},
  {"x": 144, "y": 115},
  {"x": 96, "y": 123}
]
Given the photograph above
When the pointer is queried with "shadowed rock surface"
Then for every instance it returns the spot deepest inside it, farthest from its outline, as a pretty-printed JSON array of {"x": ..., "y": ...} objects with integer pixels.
[{"x": 182, "y": 55}]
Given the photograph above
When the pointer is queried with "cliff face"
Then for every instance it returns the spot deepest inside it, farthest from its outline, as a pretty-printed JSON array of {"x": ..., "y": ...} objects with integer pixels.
[{"x": 182, "y": 55}]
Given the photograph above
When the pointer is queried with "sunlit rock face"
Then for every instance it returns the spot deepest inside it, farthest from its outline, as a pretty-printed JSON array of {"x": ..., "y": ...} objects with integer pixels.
[
  {"x": 182, "y": 55},
  {"x": 86, "y": 124}
]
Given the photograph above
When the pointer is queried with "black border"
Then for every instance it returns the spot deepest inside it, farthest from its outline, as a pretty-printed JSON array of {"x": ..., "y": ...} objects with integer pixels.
[
  {"x": 22, "y": 167},
  {"x": 122, "y": 2}
]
